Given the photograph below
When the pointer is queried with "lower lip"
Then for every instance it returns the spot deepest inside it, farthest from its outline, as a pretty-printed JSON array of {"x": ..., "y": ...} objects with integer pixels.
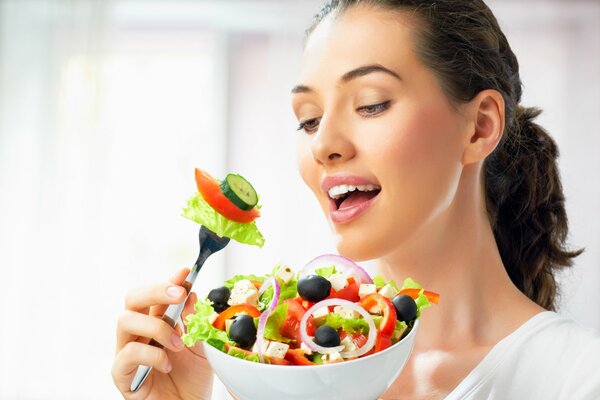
[{"x": 349, "y": 214}]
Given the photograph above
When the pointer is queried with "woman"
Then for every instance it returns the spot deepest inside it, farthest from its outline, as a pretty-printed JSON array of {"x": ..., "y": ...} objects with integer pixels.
[{"x": 420, "y": 99}]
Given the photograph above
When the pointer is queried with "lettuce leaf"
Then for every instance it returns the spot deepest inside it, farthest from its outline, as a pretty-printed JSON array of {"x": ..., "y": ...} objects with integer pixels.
[
  {"x": 198, "y": 210},
  {"x": 199, "y": 327},
  {"x": 230, "y": 282},
  {"x": 274, "y": 322},
  {"x": 325, "y": 272},
  {"x": 380, "y": 282},
  {"x": 243, "y": 355},
  {"x": 350, "y": 325},
  {"x": 422, "y": 301}
]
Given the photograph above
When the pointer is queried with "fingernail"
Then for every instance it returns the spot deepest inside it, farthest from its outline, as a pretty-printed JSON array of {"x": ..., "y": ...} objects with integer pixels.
[
  {"x": 169, "y": 367},
  {"x": 174, "y": 291},
  {"x": 176, "y": 340}
]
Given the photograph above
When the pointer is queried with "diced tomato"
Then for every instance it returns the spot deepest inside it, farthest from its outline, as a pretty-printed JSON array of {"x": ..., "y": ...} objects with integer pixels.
[
  {"x": 358, "y": 339},
  {"x": 210, "y": 189},
  {"x": 386, "y": 328},
  {"x": 350, "y": 292},
  {"x": 230, "y": 312},
  {"x": 291, "y": 326},
  {"x": 297, "y": 357},
  {"x": 304, "y": 303},
  {"x": 257, "y": 284},
  {"x": 414, "y": 293}
]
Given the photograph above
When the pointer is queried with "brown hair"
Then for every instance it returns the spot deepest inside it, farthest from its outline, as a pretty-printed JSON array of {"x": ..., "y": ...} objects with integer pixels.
[{"x": 462, "y": 43}]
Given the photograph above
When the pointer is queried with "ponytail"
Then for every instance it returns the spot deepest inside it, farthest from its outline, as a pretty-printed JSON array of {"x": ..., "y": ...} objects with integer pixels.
[{"x": 526, "y": 206}]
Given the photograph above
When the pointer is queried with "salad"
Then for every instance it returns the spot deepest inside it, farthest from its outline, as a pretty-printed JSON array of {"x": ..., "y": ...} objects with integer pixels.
[{"x": 330, "y": 311}]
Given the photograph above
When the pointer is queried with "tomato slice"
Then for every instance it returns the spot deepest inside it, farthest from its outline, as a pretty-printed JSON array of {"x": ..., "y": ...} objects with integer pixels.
[
  {"x": 230, "y": 312},
  {"x": 297, "y": 357},
  {"x": 291, "y": 327},
  {"x": 388, "y": 324},
  {"x": 210, "y": 189},
  {"x": 414, "y": 293}
]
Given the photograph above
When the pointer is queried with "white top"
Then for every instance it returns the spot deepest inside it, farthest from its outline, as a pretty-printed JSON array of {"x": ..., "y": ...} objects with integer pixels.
[{"x": 548, "y": 357}]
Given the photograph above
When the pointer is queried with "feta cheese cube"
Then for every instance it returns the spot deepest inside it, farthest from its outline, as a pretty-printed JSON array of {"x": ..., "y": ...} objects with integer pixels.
[
  {"x": 388, "y": 291},
  {"x": 366, "y": 289},
  {"x": 264, "y": 346},
  {"x": 348, "y": 344},
  {"x": 277, "y": 349},
  {"x": 320, "y": 314},
  {"x": 338, "y": 281},
  {"x": 305, "y": 349},
  {"x": 243, "y": 292},
  {"x": 285, "y": 273},
  {"x": 333, "y": 357},
  {"x": 346, "y": 312}
]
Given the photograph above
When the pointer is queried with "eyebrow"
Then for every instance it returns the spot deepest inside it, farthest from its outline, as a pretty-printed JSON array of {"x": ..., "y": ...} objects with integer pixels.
[{"x": 350, "y": 75}]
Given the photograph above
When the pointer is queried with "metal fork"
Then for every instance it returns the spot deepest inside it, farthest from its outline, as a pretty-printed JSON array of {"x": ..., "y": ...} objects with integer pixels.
[{"x": 210, "y": 243}]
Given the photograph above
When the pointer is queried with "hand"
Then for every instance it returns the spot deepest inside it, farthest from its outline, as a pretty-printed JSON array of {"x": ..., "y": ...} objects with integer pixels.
[{"x": 178, "y": 372}]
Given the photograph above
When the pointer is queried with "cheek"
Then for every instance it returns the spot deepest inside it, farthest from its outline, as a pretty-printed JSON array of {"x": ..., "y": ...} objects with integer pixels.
[
  {"x": 423, "y": 156},
  {"x": 306, "y": 163}
]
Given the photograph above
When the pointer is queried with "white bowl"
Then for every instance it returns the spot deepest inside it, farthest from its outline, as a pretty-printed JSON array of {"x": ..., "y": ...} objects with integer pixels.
[{"x": 361, "y": 379}]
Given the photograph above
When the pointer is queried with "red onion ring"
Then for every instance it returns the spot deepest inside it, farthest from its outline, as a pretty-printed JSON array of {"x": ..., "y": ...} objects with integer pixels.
[
  {"x": 328, "y": 350},
  {"x": 342, "y": 264},
  {"x": 262, "y": 322}
]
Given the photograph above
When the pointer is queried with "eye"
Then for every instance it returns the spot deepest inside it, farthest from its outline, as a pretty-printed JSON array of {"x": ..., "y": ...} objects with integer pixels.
[
  {"x": 374, "y": 109},
  {"x": 310, "y": 125}
]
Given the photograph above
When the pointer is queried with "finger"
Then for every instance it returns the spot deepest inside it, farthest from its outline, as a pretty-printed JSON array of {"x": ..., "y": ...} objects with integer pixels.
[
  {"x": 188, "y": 308},
  {"x": 132, "y": 325},
  {"x": 159, "y": 309},
  {"x": 163, "y": 293},
  {"x": 131, "y": 356}
]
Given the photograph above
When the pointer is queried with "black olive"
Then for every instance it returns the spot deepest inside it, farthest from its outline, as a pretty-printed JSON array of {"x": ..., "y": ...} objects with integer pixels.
[
  {"x": 326, "y": 336},
  {"x": 242, "y": 331},
  {"x": 314, "y": 288},
  {"x": 219, "y": 297},
  {"x": 406, "y": 308}
]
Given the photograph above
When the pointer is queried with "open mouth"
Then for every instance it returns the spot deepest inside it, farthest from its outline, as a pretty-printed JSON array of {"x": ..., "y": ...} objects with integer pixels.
[{"x": 348, "y": 196}]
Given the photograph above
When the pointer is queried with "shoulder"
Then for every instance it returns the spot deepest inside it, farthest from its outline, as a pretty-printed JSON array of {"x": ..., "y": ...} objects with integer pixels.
[
  {"x": 556, "y": 354},
  {"x": 548, "y": 357}
]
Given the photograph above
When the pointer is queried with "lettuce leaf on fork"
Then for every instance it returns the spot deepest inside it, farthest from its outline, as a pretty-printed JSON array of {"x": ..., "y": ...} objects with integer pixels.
[{"x": 198, "y": 210}]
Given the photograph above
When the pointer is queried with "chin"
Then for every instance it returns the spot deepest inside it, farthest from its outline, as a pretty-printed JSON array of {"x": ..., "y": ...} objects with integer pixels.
[{"x": 358, "y": 247}]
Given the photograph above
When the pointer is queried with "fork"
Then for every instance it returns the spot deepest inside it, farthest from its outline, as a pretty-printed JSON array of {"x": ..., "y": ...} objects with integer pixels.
[{"x": 210, "y": 243}]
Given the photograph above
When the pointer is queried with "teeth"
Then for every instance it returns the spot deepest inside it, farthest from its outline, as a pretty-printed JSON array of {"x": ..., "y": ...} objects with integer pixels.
[{"x": 339, "y": 191}]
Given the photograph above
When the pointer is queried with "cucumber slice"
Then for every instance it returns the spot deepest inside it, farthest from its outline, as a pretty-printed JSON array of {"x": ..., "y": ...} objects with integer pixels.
[{"x": 239, "y": 191}]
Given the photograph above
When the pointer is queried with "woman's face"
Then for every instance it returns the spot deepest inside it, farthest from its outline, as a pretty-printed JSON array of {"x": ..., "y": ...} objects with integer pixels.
[{"x": 381, "y": 145}]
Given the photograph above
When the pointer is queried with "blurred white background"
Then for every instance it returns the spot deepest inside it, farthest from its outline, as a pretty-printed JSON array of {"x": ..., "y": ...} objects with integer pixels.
[{"x": 107, "y": 106}]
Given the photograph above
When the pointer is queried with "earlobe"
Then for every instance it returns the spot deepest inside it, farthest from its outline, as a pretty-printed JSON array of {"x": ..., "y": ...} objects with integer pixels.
[{"x": 487, "y": 113}]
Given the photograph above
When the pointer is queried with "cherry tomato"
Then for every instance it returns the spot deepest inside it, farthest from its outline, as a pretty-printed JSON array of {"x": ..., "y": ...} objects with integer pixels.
[
  {"x": 232, "y": 311},
  {"x": 210, "y": 189}
]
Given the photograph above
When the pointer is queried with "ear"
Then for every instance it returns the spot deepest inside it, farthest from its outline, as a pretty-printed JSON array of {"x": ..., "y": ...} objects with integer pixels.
[{"x": 486, "y": 112}]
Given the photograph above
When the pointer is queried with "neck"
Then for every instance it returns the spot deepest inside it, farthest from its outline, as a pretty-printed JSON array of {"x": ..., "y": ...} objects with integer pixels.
[{"x": 456, "y": 255}]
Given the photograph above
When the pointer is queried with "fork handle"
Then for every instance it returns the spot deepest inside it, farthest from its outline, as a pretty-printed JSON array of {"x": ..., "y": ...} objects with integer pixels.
[{"x": 170, "y": 317}]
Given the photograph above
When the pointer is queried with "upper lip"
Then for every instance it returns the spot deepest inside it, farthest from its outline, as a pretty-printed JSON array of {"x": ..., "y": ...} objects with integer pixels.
[{"x": 345, "y": 179}]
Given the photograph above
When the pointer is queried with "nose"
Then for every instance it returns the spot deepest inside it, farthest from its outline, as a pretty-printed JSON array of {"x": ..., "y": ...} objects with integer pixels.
[{"x": 332, "y": 143}]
